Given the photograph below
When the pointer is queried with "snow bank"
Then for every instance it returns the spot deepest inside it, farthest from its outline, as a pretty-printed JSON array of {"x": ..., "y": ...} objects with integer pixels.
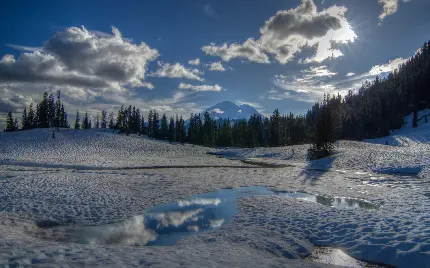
[{"x": 406, "y": 135}]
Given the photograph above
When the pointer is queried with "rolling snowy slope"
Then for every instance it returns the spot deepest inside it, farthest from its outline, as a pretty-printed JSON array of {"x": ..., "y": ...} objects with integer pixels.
[{"x": 96, "y": 148}]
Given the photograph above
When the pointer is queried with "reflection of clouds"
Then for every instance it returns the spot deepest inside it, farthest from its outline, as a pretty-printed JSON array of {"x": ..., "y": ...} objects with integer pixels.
[
  {"x": 175, "y": 218},
  {"x": 193, "y": 228},
  {"x": 216, "y": 223},
  {"x": 344, "y": 202},
  {"x": 338, "y": 202},
  {"x": 308, "y": 198},
  {"x": 129, "y": 232},
  {"x": 200, "y": 201},
  {"x": 353, "y": 203}
]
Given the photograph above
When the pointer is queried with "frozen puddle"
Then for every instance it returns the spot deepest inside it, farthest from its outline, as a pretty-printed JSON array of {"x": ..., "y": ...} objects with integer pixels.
[{"x": 166, "y": 224}]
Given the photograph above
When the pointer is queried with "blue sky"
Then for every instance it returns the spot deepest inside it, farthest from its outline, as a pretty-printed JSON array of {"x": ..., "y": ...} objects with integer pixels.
[{"x": 184, "y": 56}]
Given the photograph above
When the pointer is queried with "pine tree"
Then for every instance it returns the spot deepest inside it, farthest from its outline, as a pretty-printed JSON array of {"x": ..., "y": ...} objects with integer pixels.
[
  {"x": 182, "y": 131},
  {"x": 77, "y": 122},
  {"x": 10, "y": 123},
  {"x": 142, "y": 127},
  {"x": 97, "y": 122},
  {"x": 208, "y": 130},
  {"x": 275, "y": 126},
  {"x": 83, "y": 124},
  {"x": 191, "y": 129},
  {"x": 120, "y": 118},
  {"x": 133, "y": 120},
  {"x": 65, "y": 121},
  {"x": 43, "y": 112},
  {"x": 266, "y": 131},
  {"x": 178, "y": 129},
  {"x": 128, "y": 122},
  {"x": 150, "y": 131},
  {"x": 58, "y": 115},
  {"x": 25, "y": 124},
  {"x": 415, "y": 119},
  {"x": 63, "y": 118},
  {"x": 37, "y": 117},
  {"x": 137, "y": 122},
  {"x": 111, "y": 121},
  {"x": 323, "y": 138},
  {"x": 31, "y": 117},
  {"x": 104, "y": 119},
  {"x": 164, "y": 131},
  {"x": 171, "y": 135},
  {"x": 51, "y": 111},
  {"x": 155, "y": 125}
]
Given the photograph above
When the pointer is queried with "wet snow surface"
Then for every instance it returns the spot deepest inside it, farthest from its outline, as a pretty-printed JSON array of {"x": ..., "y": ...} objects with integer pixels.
[{"x": 98, "y": 198}]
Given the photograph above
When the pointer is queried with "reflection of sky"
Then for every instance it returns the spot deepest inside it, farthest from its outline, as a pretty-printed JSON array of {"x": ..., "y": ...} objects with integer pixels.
[
  {"x": 338, "y": 202},
  {"x": 176, "y": 219},
  {"x": 130, "y": 232},
  {"x": 199, "y": 201},
  {"x": 217, "y": 223},
  {"x": 203, "y": 212},
  {"x": 168, "y": 223}
]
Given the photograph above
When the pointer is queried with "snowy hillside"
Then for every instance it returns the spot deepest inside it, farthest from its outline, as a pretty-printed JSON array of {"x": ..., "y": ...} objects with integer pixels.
[
  {"x": 228, "y": 109},
  {"x": 96, "y": 148},
  {"x": 408, "y": 136}
]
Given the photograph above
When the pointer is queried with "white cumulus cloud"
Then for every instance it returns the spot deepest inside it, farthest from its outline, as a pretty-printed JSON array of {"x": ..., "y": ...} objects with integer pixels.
[
  {"x": 289, "y": 31},
  {"x": 216, "y": 88},
  {"x": 388, "y": 67},
  {"x": 78, "y": 57},
  {"x": 195, "y": 62},
  {"x": 250, "y": 50},
  {"x": 216, "y": 66},
  {"x": 390, "y": 7},
  {"x": 177, "y": 70}
]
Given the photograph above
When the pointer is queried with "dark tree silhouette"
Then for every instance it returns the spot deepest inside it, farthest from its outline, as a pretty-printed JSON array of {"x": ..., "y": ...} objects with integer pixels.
[
  {"x": 78, "y": 120},
  {"x": 10, "y": 123},
  {"x": 104, "y": 119}
]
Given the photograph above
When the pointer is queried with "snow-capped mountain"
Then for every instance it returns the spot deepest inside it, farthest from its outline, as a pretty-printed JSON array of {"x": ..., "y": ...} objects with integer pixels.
[{"x": 228, "y": 109}]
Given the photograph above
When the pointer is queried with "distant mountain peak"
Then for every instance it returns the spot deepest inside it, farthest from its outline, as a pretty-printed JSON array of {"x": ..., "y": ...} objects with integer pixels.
[{"x": 229, "y": 109}]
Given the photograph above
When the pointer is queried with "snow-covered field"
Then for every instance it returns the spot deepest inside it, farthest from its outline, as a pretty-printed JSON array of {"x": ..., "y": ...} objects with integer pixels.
[{"x": 96, "y": 177}]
